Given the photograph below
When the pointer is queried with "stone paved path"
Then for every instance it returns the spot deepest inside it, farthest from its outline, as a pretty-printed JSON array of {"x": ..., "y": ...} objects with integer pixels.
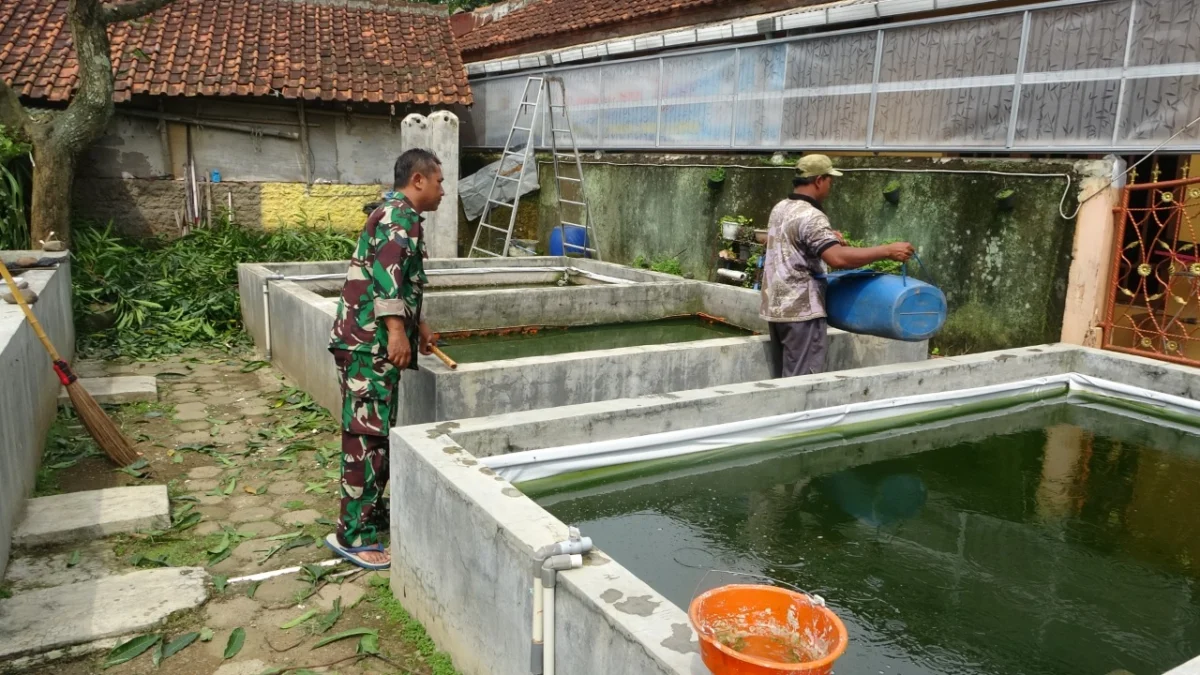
[{"x": 252, "y": 468}]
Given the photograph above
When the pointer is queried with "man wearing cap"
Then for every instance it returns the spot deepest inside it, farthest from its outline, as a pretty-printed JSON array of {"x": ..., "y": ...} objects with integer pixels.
[{"x": 800, "y": 242}]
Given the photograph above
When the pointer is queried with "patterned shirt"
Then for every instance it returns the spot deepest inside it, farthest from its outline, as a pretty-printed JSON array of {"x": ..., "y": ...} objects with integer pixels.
[
  {"x": 386, "y": 278},
  {"x": 792, "y": 281}
]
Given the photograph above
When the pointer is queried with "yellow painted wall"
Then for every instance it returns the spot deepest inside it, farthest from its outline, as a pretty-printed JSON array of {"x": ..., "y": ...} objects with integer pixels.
[{"x": 286, "y": 204}]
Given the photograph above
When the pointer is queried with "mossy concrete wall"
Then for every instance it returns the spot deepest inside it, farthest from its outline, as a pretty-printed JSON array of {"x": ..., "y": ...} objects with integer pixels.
[{"x": 1004, "y": 273}]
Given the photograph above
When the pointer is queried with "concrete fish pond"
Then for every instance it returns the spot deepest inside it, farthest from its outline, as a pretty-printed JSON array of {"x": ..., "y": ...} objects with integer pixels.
[
  {"x": 290, "y": 321},
  {"x": 1017, "y": 511},
  {"x": 986, "y": 545}
]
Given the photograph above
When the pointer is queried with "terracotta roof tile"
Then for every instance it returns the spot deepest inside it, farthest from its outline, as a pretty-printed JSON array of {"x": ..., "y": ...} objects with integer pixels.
[
  {"x": 543, "y": 19},
  {"x": 553, "y": 17},
  {"x": 344, "y": 50}
]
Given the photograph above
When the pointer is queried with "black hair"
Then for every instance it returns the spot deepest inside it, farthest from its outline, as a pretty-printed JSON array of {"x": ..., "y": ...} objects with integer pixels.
[{"x": 414, "y": 161}]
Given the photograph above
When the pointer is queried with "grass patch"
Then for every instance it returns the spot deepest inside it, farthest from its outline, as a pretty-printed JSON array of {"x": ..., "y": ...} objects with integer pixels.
[
  {"x": 411, "y": 630},
  {"x": 294, "y": 505},
  {"x": 186, "y": 549}
]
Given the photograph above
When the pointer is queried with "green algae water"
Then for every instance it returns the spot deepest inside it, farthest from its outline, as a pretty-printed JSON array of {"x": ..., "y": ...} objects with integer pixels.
[
  {"x": 1051, "y": 540},
  {"x": 550, "y": 341}
]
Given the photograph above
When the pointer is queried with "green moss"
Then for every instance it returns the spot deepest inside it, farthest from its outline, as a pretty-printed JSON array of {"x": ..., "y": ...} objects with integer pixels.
[{"x": 974, "y": 328}]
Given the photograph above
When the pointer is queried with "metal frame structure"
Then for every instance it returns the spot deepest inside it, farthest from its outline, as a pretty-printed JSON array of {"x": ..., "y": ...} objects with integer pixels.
[
  {"x": 1014, "y": 84},
  {"x": 538, "y": 89},
  {"x": 1156, "y": 276}
]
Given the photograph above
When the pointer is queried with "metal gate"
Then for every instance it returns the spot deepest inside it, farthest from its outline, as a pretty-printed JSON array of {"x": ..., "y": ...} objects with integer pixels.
[{"x": 1154, "y": 295}]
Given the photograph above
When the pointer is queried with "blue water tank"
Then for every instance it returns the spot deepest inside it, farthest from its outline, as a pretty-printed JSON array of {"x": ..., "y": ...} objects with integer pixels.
[
  {"x": 576, "y": 236},
  {"x": 884, "y": 305}
]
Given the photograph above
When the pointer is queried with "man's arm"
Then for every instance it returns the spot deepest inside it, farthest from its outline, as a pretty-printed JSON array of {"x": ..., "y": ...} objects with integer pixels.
[
  {"x": 396, "y": 297},
  {"x": 844, "y": 257}
]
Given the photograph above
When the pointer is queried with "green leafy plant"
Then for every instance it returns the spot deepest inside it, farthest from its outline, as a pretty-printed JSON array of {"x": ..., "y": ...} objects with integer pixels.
[
  {"x": 717, "y": 175},
  {"x": 159, "y": 296},
  {"x": 14, "y": 226},
  {"x": 662, "y": 264},
  {"x": 1005, "y": 193},
  {"x": 884, "y": 266}
]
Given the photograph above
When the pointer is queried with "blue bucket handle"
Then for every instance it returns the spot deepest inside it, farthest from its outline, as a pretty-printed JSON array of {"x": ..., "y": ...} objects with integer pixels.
[{"x": 921, "y": 265}]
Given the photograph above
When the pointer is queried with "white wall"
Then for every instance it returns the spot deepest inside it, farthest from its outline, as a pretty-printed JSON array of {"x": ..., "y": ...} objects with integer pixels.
[{"x": 29, "y": 387}]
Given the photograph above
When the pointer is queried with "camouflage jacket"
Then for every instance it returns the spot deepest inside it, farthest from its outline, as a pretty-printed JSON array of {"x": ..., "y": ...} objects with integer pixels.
[
  {"x": 793, "y": 273},
  {"x": 386, "y": 278}
]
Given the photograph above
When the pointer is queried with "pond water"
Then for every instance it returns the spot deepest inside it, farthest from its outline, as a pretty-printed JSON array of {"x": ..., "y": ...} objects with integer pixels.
[
  {"x": 547, "y": 341},
  {"x": 1055, "y": 540}
]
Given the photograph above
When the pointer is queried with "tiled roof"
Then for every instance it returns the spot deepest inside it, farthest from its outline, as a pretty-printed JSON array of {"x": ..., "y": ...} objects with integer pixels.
[
  {"x": 380, "y": 51},
  {"x": 554, "y": 17}
]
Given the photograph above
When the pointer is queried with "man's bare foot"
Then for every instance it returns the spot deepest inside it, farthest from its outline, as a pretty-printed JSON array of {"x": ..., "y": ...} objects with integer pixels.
[{"x": 376, "y": 557}]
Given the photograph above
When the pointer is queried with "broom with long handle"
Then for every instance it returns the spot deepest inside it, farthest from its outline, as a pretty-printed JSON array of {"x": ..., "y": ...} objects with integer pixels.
[{"x": 102, "y": 429}]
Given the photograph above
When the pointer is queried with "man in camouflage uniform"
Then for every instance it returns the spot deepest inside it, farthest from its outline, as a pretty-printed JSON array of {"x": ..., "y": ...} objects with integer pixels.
[
  {"x": 800, "y": 242},
  {"x": 377, "y": 333}
]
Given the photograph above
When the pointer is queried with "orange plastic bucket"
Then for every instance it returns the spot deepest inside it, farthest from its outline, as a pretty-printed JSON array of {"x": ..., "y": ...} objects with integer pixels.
[{"x": 762, "y": 630}]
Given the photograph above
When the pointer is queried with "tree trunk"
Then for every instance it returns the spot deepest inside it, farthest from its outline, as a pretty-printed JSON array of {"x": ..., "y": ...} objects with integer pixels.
[
  {"x": 60, "y": 138},
  {"x": 53, "y": 178}
]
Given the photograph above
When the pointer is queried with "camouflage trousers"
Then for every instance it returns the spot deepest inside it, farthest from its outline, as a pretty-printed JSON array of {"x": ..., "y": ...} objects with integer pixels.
[{"x": 368, "y": 385}]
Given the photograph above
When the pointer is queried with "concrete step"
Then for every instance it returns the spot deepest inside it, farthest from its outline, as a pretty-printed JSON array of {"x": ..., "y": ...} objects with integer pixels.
[
  {"x": 81, "y": 516},
  {"x": 113, "y": 390},
  {"x": 54, "y": 618}
]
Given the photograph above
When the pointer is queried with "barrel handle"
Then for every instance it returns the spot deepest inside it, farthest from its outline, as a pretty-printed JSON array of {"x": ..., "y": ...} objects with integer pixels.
[{"x": 924, "y": 270}]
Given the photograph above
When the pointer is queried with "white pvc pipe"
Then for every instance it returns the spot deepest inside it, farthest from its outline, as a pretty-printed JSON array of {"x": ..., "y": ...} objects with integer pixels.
[
  {"x": 732, "y": 275},
  {"x": 266, "y": 297},
  {"x": 456, "y": 271},
  {"x": 548, "y": 630},
  {"x": 538, "y": 599}
]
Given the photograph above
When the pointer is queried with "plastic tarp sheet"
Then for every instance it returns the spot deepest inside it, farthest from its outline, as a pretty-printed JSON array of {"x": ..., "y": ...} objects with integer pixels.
[
  {"x": 473, "y": 190},
  {"x": 537, "y": 464}
]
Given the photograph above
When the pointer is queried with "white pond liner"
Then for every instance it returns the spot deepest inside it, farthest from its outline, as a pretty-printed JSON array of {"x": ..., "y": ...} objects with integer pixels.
[
  {"x": 464, "y": 271},
  {"x": 531, "y": 465}
]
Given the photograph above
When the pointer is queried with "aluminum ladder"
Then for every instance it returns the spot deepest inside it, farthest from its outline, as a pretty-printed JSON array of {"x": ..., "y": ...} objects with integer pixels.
[{"x": 538, "y": 102}]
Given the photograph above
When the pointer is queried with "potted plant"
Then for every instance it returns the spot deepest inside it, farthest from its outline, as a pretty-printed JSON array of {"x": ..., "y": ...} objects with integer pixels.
[
  {"x": 726, "y": 258},
  {"x": 729, "y": 227},
  {"x": 716, "y": 177},
  {"x": 1005, "y": 199},
  {"x": 891, "y": 192}
]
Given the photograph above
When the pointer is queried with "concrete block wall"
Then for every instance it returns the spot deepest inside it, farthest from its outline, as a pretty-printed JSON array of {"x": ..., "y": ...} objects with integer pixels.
[
  {"x": 463, "y": 569},
  {"x": 132, "y": 174},
  {"x": 607, "y": 420},
  {"x": 29, "y": 393}
]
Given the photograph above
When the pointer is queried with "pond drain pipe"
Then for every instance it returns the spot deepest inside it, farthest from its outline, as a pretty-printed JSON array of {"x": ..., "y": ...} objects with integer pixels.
[
  {"x": 548, "y": 561},
  {"x": 266, "y": 296}
]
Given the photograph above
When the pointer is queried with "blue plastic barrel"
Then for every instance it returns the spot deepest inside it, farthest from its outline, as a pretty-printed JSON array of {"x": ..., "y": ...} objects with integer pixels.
[
  {"x": 884, "y": 305},
  {"x": 576, "y": 237}
]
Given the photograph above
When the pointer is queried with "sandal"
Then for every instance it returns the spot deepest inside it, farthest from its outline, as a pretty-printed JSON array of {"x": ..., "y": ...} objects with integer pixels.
[{"x": 349, "y": 553}]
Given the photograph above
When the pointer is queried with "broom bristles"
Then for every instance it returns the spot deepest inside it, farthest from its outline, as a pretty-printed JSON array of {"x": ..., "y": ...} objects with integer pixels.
[{"x": 103, "y": 430}]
